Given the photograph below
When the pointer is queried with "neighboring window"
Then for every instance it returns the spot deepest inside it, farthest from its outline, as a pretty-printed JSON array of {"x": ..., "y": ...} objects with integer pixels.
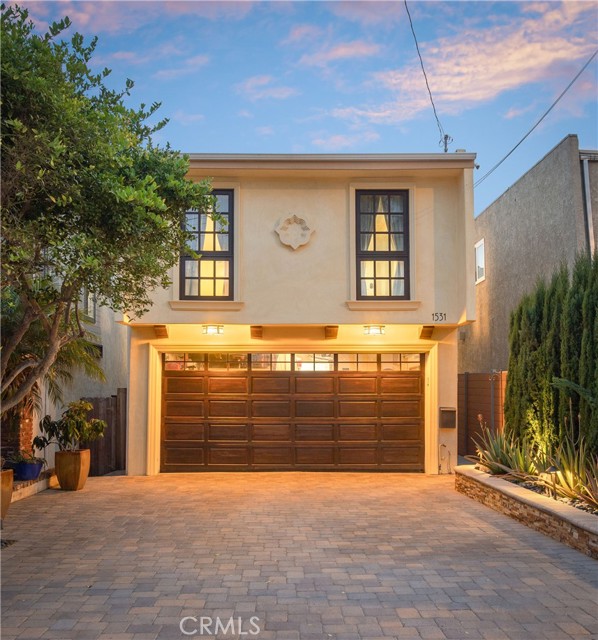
[
  {"x": 480, "y": 262},
  {"x": 210, "y": 277},
  {"x": 382, "y": 245},
  {"x": 88, "y": 305}
]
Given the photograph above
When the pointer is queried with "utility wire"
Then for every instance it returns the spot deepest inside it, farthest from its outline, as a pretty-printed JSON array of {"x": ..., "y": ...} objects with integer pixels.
[
  {"x": 444, "y": 138},
  {"x": 585, "y": 66}
]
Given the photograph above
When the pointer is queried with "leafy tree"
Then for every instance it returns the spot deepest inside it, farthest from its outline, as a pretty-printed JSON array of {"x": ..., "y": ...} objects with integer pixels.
[{"x": 88, "y": 200}]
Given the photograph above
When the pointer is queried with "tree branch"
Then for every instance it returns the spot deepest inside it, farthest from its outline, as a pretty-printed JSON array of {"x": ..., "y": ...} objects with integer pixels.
[{"x": 8, "y": 380}]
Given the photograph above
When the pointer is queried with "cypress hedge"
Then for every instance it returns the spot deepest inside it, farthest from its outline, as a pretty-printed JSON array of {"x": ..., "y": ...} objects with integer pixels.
[{"x": 552, "y": 386}]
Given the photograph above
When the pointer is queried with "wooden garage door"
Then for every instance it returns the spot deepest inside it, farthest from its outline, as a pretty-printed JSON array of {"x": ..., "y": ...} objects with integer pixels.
[{"x": 292, "y": 411}]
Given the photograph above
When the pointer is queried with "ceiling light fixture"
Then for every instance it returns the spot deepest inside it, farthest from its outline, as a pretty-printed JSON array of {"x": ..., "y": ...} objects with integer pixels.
[
  {"x": 213, "y": 329},
  {"x": 374, "y": 329}
]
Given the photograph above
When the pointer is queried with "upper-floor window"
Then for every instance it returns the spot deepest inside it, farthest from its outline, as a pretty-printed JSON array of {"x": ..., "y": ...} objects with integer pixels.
[
  {"x": 87, "y": 304},
  {"x": 480, "y": 262},
  {"x": 210, "y": 276},
  {"x": 382, "y": 244}
]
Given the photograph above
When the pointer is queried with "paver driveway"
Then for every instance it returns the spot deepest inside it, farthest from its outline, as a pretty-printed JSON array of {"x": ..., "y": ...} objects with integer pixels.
[{"x": 329, "y": 555}]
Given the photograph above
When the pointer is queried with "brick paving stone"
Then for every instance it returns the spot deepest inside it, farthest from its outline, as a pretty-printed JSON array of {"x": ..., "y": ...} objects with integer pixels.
[{"x": 336, "y": 556}]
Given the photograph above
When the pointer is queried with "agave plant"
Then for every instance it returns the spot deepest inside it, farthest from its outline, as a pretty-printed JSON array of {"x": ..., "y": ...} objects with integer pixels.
[
  {"x": 589, "y": 493},
  {"x": 494, "y": 451}
]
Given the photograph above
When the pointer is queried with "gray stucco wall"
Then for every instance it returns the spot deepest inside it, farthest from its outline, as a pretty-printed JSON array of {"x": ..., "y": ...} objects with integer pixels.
[{"x": 535, "y": 225}]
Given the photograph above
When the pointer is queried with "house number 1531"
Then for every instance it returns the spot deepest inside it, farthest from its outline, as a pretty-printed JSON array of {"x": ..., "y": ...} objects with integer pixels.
[{"x": 438, "y": 317}]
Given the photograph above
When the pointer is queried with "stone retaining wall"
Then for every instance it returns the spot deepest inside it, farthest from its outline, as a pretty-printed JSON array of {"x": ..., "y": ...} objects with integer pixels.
[{"x": 571, "y": 526}]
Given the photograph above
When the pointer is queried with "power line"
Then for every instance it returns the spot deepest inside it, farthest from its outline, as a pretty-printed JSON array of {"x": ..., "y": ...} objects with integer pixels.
[
  {"x": 585, "y": 66},
  {"x": 444, "y": 138}
]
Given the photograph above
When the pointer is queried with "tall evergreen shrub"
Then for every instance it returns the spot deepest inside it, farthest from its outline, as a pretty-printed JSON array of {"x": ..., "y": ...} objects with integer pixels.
[{"x": 554, "y": 334}]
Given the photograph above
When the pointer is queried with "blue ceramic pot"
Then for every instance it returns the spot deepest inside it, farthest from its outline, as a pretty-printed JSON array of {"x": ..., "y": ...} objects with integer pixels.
[{"x": 28, "y": 470}]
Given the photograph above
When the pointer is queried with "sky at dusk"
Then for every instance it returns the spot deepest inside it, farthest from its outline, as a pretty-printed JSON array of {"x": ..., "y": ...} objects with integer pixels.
[{"x": 344, "y": 77}]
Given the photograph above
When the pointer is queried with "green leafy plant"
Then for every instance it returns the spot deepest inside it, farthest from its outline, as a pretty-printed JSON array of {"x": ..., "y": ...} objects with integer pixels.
[
  {"x": 25, "y": 457},
  {"x": 71, "y": 429}
]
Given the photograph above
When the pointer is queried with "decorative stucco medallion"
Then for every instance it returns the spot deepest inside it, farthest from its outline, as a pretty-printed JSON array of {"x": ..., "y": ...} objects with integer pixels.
[{"x": 293, "y": 231}]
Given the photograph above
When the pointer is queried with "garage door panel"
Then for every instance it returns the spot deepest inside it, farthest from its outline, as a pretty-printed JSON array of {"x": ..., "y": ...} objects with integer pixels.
[
  {"x": 228, "y": 432},
  {"x": 231, "y": 456},
  {"x": 314, "y": 456},
  {"x": 228, "y": 408},
  {"x": 358, "y": 409},
  {"x": 270, "y": 385},
  {"x": 401, "y": 432},
  {"x": 361, "y": 456},
  {"x": 184, "y": 385},
  {"x": 183, "y": 431},
  {"x": 184, "y": 408},
  {"x": 271, "y": 409},
  {"x": 357, "y": 432},
  {"x": 273, "y": 456},
  {"x": 401, "y": 455},
  {"x": 184, "y": 455},
  {"x": 271, "y": 432},
  {"x": 400, "y": 385},
  {"x": 400, "y": 408},
  {"x": 322, "y": 432},
  {"x": 227, "y": 385},
  {"x": 357, "y": 385},
  {"x": 314, "y": 385},
  {"x": 314, "y": 408}
]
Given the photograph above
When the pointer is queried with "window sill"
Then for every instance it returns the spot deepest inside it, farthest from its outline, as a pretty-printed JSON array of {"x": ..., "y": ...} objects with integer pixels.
[
  {"x": 383, "y": 305},
  {"x": 206, "y": 305}
]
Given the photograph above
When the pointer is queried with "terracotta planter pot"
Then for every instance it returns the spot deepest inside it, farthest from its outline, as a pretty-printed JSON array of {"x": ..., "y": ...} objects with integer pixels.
[
  {"x": 7, "y": 477},
  {"x": 72, "y": 469}
]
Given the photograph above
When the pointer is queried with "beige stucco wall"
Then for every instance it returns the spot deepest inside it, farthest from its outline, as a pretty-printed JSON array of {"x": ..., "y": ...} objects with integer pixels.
[{"x": 311, "y": 285}]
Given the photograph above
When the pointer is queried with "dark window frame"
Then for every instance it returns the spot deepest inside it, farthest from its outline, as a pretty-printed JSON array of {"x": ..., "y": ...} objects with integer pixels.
[
  {"x": 228, "y": 256},
  {"x": 361, "y": 255}
]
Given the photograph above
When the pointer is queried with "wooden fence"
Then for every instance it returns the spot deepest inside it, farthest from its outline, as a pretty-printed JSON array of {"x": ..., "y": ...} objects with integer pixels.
[
  {"x": 108, "y": 454},
  {"x": 480, "y": 394}
]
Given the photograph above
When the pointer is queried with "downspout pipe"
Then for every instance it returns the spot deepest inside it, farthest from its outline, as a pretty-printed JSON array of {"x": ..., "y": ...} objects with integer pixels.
[{"x": 585, "y": 161}]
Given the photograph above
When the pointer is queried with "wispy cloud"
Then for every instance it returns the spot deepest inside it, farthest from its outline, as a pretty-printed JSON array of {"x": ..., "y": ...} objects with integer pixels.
[
  {"x": 186, "y": 67},
  {"x": 478, "y": 65},
  {"x": 184, "y": 118},
  {"x": 342, "y": 51},
  {"x": 302, "y": 33},
  {"x": 368, "y": 13},
  {"x": 262, "y": 87},
  {"x": 516, "y": 112},
  {"x": 265, "y": 131},
  {"x": 130, "y": 57},
  {"x": 127, "y": 17},
  {"x": 336, "y": 142}
]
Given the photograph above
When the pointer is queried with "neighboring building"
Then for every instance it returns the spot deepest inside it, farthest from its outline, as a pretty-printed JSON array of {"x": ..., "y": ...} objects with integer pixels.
[
  {"x": 113, "y": 339},
  {"x": 257, "y": 357},
  {"x": 547, "y": 217}
]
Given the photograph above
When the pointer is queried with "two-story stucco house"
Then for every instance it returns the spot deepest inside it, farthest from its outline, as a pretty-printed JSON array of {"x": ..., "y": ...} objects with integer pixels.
[{"x": 318, "y": 331}]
